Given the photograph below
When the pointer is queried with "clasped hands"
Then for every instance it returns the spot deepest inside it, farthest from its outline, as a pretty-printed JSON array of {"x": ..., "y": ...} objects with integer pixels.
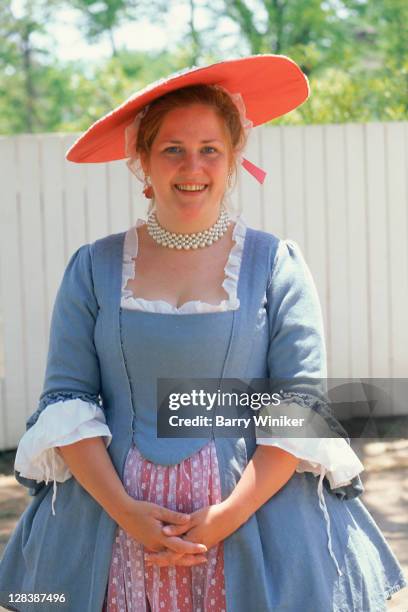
[
  {"x": 184, "y": 538},
  {"x": 204, "y": 527}
]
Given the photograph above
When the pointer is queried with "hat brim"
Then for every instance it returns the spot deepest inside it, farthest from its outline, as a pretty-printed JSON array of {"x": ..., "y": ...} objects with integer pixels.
[{"x": 271, "y": 86}]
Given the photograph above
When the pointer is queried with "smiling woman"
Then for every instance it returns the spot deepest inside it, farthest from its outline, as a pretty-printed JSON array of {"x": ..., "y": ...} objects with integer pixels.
[
  {"x": 190, "y": 524},
  {"x": 190, "y": 139},
  {"x": 188, "y": 176},
  {"x": 188, "y": 142}
]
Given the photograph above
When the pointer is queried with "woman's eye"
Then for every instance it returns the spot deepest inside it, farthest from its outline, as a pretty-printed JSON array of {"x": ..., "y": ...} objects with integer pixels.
[{"x": 173, "y": 149}]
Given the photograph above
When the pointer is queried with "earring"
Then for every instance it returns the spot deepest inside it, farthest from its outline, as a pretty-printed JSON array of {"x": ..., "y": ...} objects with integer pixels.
[{"x": 148, "y": 189}]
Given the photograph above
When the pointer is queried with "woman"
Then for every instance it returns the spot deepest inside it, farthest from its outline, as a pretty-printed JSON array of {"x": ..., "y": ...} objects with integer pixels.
[{"x": 188, "y": 524}]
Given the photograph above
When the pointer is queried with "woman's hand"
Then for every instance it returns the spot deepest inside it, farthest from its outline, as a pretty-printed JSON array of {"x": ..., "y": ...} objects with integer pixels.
[
  {"x": 257, "y": 484},
  {"x": 208, "y": 526},
  {"x": 144, "y": 521}
]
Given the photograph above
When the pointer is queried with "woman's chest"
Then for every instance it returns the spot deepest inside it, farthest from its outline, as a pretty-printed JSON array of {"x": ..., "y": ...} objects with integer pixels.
[
  {"x": 180, "y": 277},
  {"x": 178, "y": 286}
]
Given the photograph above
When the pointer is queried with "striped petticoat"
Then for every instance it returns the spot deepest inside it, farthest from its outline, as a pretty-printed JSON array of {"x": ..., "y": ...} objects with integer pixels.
[{"x": 186, "y": 487}]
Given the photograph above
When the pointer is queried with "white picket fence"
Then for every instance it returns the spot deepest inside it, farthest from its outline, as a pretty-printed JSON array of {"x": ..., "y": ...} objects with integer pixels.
[{"x": 339, "y": 191}]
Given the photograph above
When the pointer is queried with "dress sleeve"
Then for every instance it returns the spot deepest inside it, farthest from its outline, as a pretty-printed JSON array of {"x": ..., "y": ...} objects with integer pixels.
[
  {"x": 297, "y": 353},
  {"x": 59, "y": 424},
  {"x": 297, "y": 347},
  {"x": 70, "y": 405}
]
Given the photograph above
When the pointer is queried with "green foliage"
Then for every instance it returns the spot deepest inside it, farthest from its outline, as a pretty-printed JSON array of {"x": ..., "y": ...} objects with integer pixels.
[
  {"x": 23, "y": 64},
  {"x": 354, "y": 52},
  {"x": 103, "y": 17},
  {"x": 338, "y": 96},
  {"x": 110, "y": 84}
]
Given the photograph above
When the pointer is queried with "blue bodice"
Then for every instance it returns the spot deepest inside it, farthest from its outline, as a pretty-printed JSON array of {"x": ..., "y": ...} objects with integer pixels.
[{"x": 158, "y": 346}]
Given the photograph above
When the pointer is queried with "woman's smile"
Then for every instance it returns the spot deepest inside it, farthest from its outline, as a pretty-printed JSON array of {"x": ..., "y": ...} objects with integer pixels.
[{"x": 191, "y": 189}]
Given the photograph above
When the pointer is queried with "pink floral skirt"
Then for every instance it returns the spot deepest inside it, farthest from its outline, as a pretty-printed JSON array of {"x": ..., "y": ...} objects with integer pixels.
[{"x": 186, "y": 487}]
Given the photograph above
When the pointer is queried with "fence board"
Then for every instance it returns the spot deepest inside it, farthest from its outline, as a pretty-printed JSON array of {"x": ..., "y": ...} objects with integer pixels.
[
  {"x": 357, "y": 231},
  {"x": 293, "y": 176},
  {"x": 119, "y": 198},
  {"x": 338, "y": 304},
  {"x": 51, "y": 165},
  {"x": 397, "y": 197},
  {"x": 74, "y": 202},
  {"x": 316, "y": 239},
  {"x": 97, "y": 211},
  {"x": 14, "y": 397},
  {"x": 32, "y": 272},
  {"x": 273, "y": 188},
  {"x": 378, "y": 251}
]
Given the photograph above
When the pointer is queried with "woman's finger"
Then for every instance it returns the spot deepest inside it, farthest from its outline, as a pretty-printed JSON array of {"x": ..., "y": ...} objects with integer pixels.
[
  {"x": 188, "y": 560},
  {"x": 163, "y": 559},
  {"x": 175, "y": 530},
  {"x": 170, "y": 516},
  {"x": 179, "y": 545}
]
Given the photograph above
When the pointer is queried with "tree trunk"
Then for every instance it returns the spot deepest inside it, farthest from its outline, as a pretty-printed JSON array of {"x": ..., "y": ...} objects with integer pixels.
[
  {"x": 278, "y": 27},
  {"x": 112, "y": 42},
  {"x": 195, "y": 39},
  {"x": 28, "y": 78}
]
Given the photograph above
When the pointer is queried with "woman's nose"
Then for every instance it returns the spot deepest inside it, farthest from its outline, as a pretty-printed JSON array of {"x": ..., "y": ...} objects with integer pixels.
[{"x": 192, "y": 161}]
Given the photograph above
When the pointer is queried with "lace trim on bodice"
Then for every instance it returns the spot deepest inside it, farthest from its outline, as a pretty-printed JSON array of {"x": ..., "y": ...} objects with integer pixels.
[{"x": 230, "y": 284}]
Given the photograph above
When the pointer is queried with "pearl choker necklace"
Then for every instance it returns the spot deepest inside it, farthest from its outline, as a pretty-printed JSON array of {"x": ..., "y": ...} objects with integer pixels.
[{"x": 173, "y": 240}]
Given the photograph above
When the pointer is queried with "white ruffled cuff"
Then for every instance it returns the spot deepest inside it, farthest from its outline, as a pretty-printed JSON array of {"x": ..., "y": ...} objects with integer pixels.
[
  {"x": 59, "y": 424},
  {"x": 334, "y": 455}
]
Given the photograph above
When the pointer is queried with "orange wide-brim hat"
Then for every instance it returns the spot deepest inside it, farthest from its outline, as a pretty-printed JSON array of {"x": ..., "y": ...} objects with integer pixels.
[{"x": 270, "y": 85}]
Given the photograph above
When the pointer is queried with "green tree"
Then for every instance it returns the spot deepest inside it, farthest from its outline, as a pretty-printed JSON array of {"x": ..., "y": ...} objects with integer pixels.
[
  {"x": 21, "y": 59},
  {"x": 338, "y": 96},
  {"x": 310, "y": 31},
  {"x": 353, "y": 51},
  {"x": 381, "y": 26},
  {"x": 92, "y": 94}
]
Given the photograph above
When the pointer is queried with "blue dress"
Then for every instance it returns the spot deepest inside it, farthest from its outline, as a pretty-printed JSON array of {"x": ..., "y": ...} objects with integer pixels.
[{"x": 307, "y": 548}]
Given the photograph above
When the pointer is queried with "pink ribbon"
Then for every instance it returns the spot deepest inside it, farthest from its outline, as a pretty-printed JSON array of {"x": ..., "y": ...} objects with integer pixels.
[{"x": 256, "y": 171}]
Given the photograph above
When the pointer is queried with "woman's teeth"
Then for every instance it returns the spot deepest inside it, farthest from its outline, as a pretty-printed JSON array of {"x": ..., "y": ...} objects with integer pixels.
[{"x": 191, "y": 187}]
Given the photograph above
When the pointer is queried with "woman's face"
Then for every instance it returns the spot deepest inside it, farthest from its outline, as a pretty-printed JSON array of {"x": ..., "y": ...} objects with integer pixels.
[{"x": 189, "y": 163}]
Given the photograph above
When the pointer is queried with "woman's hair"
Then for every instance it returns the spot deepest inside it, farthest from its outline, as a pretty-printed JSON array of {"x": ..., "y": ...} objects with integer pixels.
[{"x": 210, "y": 95}]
